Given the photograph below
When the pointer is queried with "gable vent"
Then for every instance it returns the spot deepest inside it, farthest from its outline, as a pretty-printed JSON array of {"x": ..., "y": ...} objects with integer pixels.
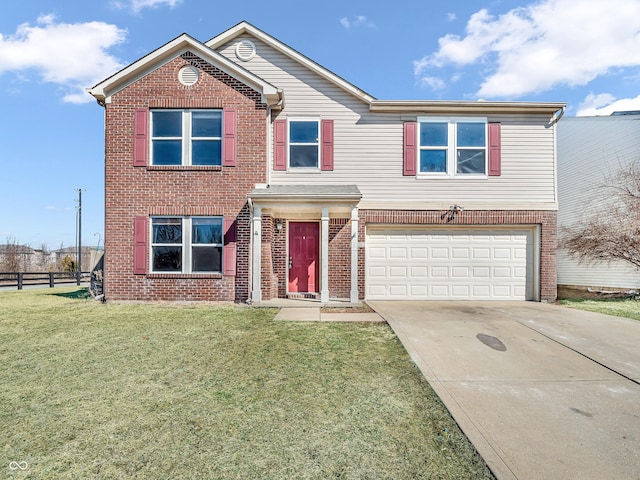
[
  {"x": 188, "y": 75},
  {"x": 245, "y": 50}
]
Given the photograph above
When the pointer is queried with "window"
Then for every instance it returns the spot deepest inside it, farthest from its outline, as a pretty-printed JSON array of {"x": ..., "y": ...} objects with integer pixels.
[
  {"x": 186, "y": 245},
  {"x": 304, "y": 145},
  {"x": 186, "y": 137},
  {"x": 451, "y": 147}
]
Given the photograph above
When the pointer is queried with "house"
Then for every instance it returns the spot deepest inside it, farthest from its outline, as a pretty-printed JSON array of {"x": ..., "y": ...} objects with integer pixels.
[
  {"x": 90, "y": 256},
  {"x": 240, "y": 170},
  {"x": 590, "y": 149},
  {"x": 20, "y": 258}
]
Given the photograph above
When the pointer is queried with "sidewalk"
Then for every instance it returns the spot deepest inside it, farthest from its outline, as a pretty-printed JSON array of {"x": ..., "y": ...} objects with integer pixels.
[{"x": 317, "y": 314}]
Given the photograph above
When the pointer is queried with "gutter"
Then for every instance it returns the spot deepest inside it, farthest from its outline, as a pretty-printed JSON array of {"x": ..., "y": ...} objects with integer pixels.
[{"x": 458, "y": 107}]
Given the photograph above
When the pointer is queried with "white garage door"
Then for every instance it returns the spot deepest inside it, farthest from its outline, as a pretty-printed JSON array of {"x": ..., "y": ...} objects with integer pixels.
[{"x": 449, "y": 264}]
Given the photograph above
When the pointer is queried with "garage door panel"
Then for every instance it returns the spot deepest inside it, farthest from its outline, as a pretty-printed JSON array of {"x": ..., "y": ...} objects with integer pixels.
[
  {"x": 481, "y": 272},
  {"x": 460, "y": 272},
  {"x": 457, "y": 252},
  {"x": 481, "y": 253},
  {"x": 419, "y": 271},
  {"x": 398, "y": 290},
  {"x": 439, "y": 253},
  {"x": 457, "y": 263},
  {"x": 396, "y": 252},
  {"x": 481, "y": 291},
  {"x": 399, "y": 271},
  {"x": 439, "y": 272},
  {"x": 502, "y": 253},
  {"x": 439, "y": 291},
  {"x": 421, "y": 252},
  {"x": 460, "y": 291},
  {"x": 502, "y": 272}
]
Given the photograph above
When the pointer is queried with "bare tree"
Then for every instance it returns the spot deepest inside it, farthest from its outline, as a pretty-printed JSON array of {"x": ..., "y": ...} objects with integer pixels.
[
  {"x": 43, "y": 258},
  {"x": 11, "y": 258},
  {"x": 610, "y": 227}
]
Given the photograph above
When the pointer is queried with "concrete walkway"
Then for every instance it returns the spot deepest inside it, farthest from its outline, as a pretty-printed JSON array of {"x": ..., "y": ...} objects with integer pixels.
[
  {"x": 542, "y": 391},
  {"x": 317, "y": 314}
]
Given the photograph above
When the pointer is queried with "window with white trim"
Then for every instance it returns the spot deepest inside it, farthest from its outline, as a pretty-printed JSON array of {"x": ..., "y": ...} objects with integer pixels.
[
  {"x": 186, "y": 244},
  {"x": 304, "y": 143},
  {"x": 452, "y": 146},
  {"x": 186, "y": 137}
]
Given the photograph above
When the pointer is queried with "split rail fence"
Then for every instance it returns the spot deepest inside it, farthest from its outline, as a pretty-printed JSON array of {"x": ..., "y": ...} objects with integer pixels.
[{"x": 23, "y": 279}]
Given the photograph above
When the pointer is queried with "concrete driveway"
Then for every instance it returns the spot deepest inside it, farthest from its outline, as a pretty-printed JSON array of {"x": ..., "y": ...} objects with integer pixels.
[{"x": 542, "y": 391}]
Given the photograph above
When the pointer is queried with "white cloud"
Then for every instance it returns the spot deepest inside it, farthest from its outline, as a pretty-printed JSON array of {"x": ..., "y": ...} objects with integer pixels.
[
  {"x": 434, "y": 83},
  {"x": 606, "y": 104},
  {"x": 451, "y": 16},
  {"x": 137, "y": 5},
  {"x": 548, "y": 43},
  {"x": 73, "y": 56},
  {"x": 357, "y": 21}
]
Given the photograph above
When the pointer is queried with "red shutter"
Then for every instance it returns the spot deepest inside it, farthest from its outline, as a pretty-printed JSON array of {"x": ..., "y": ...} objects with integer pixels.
[
  {"x": 229, "y": 248},
  {"x": 140, "y": 137},
  {"x": 229, "y": 137},
  {"x": 327, "y": 145},
  {"x": 140, "y": 238},
  {"x": 280, "y": 145},
  {"x": 494, "y": 150},
  {"x": 410, "y": 153}
]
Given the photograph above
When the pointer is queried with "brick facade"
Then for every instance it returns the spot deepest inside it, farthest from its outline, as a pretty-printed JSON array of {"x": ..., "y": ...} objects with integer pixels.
[{"x": 180, "y": 191}]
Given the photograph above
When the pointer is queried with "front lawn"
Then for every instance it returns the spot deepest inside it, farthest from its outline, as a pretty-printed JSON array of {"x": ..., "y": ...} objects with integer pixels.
[
  {"x": 158, "y": 391},
  {"x": 620, "y": 307}
]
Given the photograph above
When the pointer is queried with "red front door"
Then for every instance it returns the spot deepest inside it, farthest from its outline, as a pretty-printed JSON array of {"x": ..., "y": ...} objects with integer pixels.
[{"x": 303, "y": 257}]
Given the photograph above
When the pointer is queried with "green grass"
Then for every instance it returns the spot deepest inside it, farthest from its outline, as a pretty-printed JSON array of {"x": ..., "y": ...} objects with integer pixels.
[
  {"x": 92, "y": 390},
  {"x": 619, "y": 307}
]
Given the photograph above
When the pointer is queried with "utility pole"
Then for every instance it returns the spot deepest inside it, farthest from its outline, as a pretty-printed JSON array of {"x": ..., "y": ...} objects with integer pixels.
[{"x": 79, "y": 243}]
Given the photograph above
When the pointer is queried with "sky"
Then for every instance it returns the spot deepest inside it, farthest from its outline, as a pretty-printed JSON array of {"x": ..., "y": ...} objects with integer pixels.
[{"x": 585, "y": 53}]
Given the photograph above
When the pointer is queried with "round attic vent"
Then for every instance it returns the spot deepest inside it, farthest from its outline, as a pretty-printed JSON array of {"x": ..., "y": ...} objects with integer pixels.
[
  {"x": 188, "y": 75},
  {"x": 245, "y": 50}
]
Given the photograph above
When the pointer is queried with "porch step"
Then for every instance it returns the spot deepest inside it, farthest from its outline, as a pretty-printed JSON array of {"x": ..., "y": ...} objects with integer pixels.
[{"x": 303, "y": 296}]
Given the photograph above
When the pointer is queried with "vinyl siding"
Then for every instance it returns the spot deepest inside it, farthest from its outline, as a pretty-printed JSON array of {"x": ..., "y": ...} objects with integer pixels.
[
  {"x": 589, "y": 148},
  {"x": 368, "y": 147}
]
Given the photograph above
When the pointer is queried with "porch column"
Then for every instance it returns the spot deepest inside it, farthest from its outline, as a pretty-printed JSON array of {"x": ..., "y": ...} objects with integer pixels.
[
  {"x": 256, "y": 261},
  {"x": 354, "y": 255},
  {"x": 324, "y": 256}
]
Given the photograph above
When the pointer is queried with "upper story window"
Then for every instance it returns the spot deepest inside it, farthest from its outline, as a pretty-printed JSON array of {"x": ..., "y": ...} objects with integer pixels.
[
  {"x": 186, "y": 244},
  {"x": 186, "y": 137},
  {"x": 452, "y": 146},
  {"x": 304, "y": 143}
]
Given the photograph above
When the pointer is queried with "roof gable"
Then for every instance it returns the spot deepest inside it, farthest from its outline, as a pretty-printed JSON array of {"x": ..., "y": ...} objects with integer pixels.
[
  {"x": 246, "y": 28},
  {"x": 176, "y": 47}
]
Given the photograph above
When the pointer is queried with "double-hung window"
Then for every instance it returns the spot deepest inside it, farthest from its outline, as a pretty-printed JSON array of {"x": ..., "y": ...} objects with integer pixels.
[
  {"x": 186, "y": 244},
  {"x": 186, "y": 137},
  {"x": 304, "y": 143},
  {"x": 452, "y": 146}
]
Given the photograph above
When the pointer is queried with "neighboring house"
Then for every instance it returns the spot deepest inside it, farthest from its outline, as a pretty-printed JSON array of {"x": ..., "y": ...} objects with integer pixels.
[
  {"x": 241, "y": 170},
  {"x": 90, "y": 256},
  {"x": 19, "y": 258},
  {"x": 590, "y": 149}
]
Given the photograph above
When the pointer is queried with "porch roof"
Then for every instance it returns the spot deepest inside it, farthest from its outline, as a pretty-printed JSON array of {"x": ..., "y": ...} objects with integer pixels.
[{"x": 307, "y": 193}]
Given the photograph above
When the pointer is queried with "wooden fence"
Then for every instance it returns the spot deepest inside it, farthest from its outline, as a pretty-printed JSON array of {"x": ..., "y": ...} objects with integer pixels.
[{"x": 22, "y": 279}]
